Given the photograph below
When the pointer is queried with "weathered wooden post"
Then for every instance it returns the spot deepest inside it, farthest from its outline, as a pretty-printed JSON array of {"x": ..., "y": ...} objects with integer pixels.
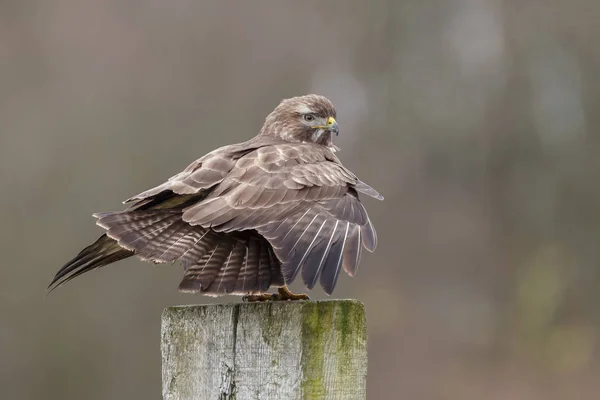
[{"x": 272, "y": 350}]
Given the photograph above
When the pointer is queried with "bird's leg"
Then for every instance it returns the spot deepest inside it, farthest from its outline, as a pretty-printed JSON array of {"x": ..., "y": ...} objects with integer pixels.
[
  {"x": 252, "y": 298},
  {"x": 285, "y": 294}
]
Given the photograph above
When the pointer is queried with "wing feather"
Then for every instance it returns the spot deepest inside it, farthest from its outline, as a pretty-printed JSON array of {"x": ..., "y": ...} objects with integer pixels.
[
  {"x": 333, "y": 264},
  {"x": 315, "y": 261},
  {"x": 245, "y": 217},
  {"x": 207, "y": 171},
  {"x": 352, "y": 251}
]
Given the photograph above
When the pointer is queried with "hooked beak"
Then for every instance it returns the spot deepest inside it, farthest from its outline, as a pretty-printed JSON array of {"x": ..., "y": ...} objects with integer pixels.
[{"x": 332, "y": 126}]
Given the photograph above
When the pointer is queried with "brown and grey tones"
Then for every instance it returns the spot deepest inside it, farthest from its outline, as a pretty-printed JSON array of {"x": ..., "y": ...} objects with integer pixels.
[{"x": 248, "y": 216}]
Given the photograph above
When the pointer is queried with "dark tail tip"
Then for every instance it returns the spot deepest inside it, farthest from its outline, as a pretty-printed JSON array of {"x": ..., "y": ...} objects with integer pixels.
[{"x": 102, "y": 252}]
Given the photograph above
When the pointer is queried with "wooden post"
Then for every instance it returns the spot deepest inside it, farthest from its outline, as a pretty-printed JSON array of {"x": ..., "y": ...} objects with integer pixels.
[{"x": 272, "y": 350}]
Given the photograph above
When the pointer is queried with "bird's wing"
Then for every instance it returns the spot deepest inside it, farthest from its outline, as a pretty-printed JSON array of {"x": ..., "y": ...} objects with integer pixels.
[
  {"x": 205, "y": 172},
  {"x": 152, "y": 229},
  {"x": 301, "y": 199}
]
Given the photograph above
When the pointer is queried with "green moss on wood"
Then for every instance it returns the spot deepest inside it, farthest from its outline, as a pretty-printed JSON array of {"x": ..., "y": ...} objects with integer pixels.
[
  {"x": 331, "y": 336},
  {"x": 317, "y": 319},
  {"x": 350, "y": 324}
]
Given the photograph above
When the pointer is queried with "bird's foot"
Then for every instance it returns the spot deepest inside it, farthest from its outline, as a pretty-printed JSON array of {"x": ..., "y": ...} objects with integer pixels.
[
  {"x": 253, "y": 298},
  {"x": 285, "y": 294}
]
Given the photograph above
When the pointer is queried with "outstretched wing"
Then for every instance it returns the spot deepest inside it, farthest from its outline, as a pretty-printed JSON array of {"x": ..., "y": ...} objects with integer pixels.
[
  {"x": 214, "y": 262},
  {"x": 303, "y": 201},
  {"x": 153, "y": 230}
]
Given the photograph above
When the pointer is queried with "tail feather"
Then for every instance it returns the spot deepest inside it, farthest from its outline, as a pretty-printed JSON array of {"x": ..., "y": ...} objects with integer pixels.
[
  {"x": 276, "y": 274},
  {"x": 102, "y": 252},
  {"x": 206, "y": 270},
  {"x": 263, "y": 278},
  {"x": 227, "y": 277},
  {"x": 214, "y": 262},
  {"x": 248, "y": 276},
  {"x": 238, "y": 265}
]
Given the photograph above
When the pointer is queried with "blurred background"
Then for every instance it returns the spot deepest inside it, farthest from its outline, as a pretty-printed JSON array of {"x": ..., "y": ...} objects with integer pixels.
[{"x": 477, "y": 119}]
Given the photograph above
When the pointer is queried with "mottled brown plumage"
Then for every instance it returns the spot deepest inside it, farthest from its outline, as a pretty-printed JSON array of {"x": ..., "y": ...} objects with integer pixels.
[{"x": 249, "y": 216}]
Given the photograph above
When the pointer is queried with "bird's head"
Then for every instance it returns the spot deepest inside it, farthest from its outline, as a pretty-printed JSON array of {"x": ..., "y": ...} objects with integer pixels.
[{"x": 309, "y": 118}]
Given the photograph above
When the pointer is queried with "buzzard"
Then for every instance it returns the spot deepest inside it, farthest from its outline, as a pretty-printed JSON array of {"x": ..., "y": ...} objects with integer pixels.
[{"x": 249, "y": 216}]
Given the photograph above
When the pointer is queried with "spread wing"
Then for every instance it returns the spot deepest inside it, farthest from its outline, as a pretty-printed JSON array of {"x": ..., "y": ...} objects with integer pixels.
[
  {"x": 153, "y": 229},
  {"x": 303, "y": 201}
]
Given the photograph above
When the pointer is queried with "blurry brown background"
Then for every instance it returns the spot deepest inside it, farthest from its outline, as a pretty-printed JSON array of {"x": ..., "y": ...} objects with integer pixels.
[{"x": 477, "y": 119}]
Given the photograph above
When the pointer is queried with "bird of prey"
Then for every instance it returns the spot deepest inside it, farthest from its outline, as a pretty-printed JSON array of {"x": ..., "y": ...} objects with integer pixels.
[{"x": 249, "y": 216}]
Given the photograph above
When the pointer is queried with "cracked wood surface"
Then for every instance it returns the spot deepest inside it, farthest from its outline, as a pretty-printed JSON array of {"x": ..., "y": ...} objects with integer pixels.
[{"x": 273, "y": 350}]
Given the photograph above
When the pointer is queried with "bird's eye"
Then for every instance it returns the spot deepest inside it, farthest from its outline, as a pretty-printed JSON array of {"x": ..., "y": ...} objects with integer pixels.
[{"x": 309, "y": 117}]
